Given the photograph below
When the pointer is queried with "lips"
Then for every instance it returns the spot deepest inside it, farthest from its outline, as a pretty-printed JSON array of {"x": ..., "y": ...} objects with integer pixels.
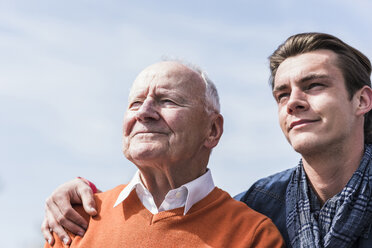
[
  {"x": 140, "y": 129},
  {"x": 148, "y": 132},
  {"x": 300, "y": 122}
]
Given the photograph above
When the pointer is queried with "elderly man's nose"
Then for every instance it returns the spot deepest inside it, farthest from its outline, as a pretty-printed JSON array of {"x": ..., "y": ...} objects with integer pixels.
[{"x": 147, "y": 111}]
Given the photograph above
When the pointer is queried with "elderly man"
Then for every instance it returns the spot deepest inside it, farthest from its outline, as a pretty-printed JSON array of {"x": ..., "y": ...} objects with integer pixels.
[{"x": 170, "y": 127}]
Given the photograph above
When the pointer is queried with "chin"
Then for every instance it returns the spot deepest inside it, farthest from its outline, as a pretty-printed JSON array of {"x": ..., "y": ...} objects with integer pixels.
[
  {"x": 145, "y": 152},
  {"x": 306, "y": 144},
  {"x": 303, "y": 148}
]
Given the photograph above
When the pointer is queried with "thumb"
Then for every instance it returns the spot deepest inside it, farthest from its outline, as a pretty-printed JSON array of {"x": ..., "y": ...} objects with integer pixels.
[
  {"x": 83, "y": 194},
  {"x": 89, "y": 203}
]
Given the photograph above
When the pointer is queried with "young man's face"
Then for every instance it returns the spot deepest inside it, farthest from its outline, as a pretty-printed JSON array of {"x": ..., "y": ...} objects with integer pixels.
[{"x": 315, "y": 111}]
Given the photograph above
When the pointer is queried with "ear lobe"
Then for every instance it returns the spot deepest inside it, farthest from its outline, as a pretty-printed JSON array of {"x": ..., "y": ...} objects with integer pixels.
[
  {"x": 364, "y": 97},
  {"x": 215, "y": 131}
]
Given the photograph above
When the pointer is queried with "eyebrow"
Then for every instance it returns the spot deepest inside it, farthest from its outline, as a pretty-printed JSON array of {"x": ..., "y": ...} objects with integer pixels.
[
  {"x": 312, "y": 77},
  {"x": 301, "y": 81}
]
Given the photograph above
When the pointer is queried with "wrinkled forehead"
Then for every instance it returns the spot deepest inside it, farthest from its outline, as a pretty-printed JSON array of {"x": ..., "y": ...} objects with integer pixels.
[{"x": 168, "y": 76}]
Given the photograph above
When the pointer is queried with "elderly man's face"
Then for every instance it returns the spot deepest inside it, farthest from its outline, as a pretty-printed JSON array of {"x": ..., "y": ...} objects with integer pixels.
[{"x": 166, "y": 119}]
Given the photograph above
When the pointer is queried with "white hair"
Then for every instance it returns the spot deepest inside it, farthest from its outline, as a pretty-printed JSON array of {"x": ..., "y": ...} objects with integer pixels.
[
  {"x": 211, "y": 95},
  {"x": 212, "y": 100}
]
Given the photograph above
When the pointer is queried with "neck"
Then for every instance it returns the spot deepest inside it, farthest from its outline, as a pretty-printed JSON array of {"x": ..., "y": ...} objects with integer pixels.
[
  {"x": 160, "y": 179},
  {"x": 329, "y": 171}
]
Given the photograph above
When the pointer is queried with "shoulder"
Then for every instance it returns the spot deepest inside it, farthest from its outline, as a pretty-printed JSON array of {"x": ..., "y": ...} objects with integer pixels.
[
  {"x": 253, "y": 227},
  {"x": 273, "y": 187},
  {"x": 107, "y": 199},
  {"x": 268, "y": 196},
  {"x": 102, "y": 199},
  {"x": 112, "y": 193},
  {"x": 239, "y": 210}
]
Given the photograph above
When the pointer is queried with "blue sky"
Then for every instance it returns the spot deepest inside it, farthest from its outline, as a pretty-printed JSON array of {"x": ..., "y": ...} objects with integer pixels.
[{"x": 66, "y": 68}]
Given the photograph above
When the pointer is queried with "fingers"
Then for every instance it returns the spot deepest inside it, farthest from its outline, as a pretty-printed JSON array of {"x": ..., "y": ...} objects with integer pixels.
[
  {"x": 50, "y": 225},
  {"x": 46, "y": 232},
  {"x": 83, "y": 194},
  {"x": 59, "y": 214},
  {"x": 69, "y": 219}
]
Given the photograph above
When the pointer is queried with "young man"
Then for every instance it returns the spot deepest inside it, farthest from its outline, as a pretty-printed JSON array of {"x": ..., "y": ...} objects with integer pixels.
[
  {"x": 170, "y": 127},
  {"x": 323, "y": 90}
]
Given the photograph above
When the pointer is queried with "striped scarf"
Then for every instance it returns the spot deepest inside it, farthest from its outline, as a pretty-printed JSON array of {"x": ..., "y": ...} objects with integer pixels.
[{"x": 340, "y": 221}]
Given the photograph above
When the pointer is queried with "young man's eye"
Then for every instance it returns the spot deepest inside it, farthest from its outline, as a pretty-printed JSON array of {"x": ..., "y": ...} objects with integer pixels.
[
  {"x": 280, "y": 97},
  {"x": 313, "y": 85}
]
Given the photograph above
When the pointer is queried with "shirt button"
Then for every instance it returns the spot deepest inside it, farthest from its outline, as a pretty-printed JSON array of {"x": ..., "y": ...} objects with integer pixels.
[{"x": 178, "y": 194}]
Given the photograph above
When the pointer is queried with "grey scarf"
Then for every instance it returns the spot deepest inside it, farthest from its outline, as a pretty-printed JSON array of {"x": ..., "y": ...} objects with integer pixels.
[{"x": 343, "y": 219}]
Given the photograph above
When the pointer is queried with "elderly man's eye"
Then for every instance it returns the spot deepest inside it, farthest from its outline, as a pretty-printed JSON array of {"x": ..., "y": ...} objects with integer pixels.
[
  {"x": 135, "y": 105},
  {"x": 167, "y": 101}
]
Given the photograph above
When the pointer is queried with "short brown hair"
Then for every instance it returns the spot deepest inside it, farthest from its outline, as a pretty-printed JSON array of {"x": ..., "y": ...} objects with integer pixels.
[{"x": 355, "y": 66}]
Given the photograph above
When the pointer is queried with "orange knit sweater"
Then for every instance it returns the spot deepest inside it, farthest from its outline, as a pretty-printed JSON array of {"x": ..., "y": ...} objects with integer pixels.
[{"x": 216, "y": 221}]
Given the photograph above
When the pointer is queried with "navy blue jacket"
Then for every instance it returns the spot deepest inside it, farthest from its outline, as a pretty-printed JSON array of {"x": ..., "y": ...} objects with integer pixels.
[{"x": 268, "y": 196}]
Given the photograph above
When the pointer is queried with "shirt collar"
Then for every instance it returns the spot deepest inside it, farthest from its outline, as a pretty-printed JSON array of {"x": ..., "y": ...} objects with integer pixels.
[
  {"x": 186, "y": 195},
  {"x": 133, "y": 184}
]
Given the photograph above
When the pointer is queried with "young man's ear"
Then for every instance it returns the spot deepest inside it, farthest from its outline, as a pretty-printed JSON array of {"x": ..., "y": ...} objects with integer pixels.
[
  {"x": 215, "y": 131},
  {"x": 364, "y": 100}
]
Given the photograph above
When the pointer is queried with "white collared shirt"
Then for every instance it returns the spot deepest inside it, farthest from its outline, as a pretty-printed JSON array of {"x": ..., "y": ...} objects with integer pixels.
[{"x": 186, "y": 195}]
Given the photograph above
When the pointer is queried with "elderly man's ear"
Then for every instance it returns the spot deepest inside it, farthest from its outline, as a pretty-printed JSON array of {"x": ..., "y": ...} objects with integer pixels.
[{"x": 215, "y": 131}]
